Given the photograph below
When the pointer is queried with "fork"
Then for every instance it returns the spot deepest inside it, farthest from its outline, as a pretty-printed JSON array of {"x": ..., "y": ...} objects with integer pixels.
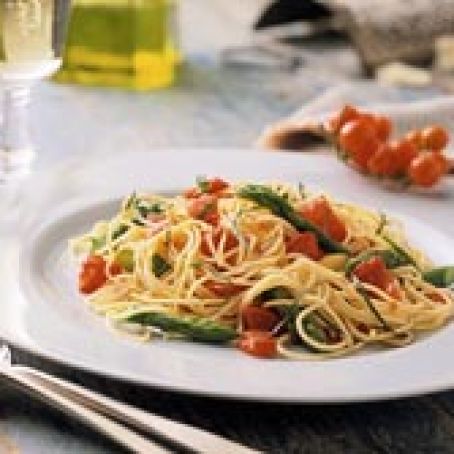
[{"x": 116, "y": 420}]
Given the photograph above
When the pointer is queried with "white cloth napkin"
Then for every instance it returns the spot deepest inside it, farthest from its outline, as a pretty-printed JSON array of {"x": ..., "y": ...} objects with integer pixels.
[{"x": 405, "y": 112}]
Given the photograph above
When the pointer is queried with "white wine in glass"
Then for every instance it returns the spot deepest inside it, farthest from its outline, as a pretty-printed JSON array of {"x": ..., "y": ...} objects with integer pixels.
[{"x": 31, "y": 39}]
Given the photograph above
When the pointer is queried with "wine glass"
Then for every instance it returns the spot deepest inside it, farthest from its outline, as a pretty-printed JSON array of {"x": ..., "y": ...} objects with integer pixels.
[{"x": 31, "y": 39}]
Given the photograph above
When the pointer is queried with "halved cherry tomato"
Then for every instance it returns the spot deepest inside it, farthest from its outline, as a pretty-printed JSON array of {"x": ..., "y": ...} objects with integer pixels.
[
  {"x": 359, "y": 140},
  {"x": 374, "y": 272},
  {"x": 212, "y": 218},
  {"x": 115, "y": 269},
  {"x": 224, "y": 289},
  {"x": 393, "y": 289},
  {"x": 155, "y": 217},
  {"x": 93, "y": 273},
  {"x": 231, "y": 241},
  {"x": 204, "y": 208},
  {"x": 258, "y": 343},
  {"x": 319, "y": 212},
  {"x": 434, "y": 296},
  {"x": 216, "y": 185},
  {"x": 213, "y": 186},
  {"x": 259, "y": 318},
  {"x": 346, "y": 114},
  {"x": 191, "y": 193},
  {"x": 304, "y": 243},
  {"x": 95, "y": 260},
  {"x": 434, "y": 137},
  {"x": 426, "y": 169}
]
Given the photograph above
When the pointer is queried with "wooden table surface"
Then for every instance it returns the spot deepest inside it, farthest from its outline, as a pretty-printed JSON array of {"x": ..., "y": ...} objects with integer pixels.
[{"x": 210, "y": 106}]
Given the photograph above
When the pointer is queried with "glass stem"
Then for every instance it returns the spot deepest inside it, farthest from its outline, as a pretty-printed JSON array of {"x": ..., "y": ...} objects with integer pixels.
[{"x": 18, "y": 152}]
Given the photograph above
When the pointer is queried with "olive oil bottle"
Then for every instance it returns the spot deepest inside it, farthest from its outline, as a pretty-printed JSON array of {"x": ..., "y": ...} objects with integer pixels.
[{"x": 121, "y": 43}]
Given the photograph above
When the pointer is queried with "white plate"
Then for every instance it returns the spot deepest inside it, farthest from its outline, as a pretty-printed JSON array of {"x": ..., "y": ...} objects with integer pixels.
[{"x": 51, "y": 320}]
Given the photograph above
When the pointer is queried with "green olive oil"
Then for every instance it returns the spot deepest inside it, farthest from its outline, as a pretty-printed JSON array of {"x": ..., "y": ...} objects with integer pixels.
[{"x": 121, "y": 43}]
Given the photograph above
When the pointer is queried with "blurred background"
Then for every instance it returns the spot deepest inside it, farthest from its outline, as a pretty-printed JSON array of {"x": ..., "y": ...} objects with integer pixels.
[
  {"x": 142, "y": 66},
  {"x": 137, "y": 43},
  {"x": 403, "y": 43}
]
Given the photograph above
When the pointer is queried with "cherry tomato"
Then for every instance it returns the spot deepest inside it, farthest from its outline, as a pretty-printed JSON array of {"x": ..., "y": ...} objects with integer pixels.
[
  {"x": 404, "y": 152},
  {"x": 383, "y": 162},
  {"x": 224, "y": 289},
  {"x": 259, "y": 318},
  {"x": 434, "y": 137},
  {"x": 204, "y": 208},
  {"x": 92, "y": 275},
  {"x": 374, "y": 272},
  {"x": 368, "y": 119},
  {"x": 361, "y": 158},
  {"x": 346, "y": 114},
  {"x": 231, "y": 241},
  {"x": 426, "y": 169},
  {"x": 358, "y": 139},
  {"x": 383, "y": 127},
  {"x": 379, "y": 124},
  {"x": 304, "y": 243},
  {"x": 442, "y": 160},
  {"x": 259, "y": 344},
  {"x": 415, "y": 137},
  {"x": 319, "y": 212}
]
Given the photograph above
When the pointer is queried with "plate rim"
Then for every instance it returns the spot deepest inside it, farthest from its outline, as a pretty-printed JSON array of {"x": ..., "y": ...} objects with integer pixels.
[{"x": 238, "y": 397}]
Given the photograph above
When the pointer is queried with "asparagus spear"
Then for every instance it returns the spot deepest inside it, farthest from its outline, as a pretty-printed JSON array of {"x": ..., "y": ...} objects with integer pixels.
[
  {"x": 440, "y": 277},
  {"x": 401, "y": 251},
  {"x": 119, "y": 231},
  {"x": 314, "y": 330},
  {"x": 193, "y": 328},
  {"x": 316, "y": 326},
  {"x": 266, "y": 197}
]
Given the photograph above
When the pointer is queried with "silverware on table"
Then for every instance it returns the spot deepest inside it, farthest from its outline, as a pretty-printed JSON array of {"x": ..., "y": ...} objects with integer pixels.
[{"x": 121, "y": 422}]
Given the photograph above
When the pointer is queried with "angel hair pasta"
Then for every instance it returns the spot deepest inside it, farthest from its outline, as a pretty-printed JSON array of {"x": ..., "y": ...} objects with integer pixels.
[{"x": 270, "y": 268}]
